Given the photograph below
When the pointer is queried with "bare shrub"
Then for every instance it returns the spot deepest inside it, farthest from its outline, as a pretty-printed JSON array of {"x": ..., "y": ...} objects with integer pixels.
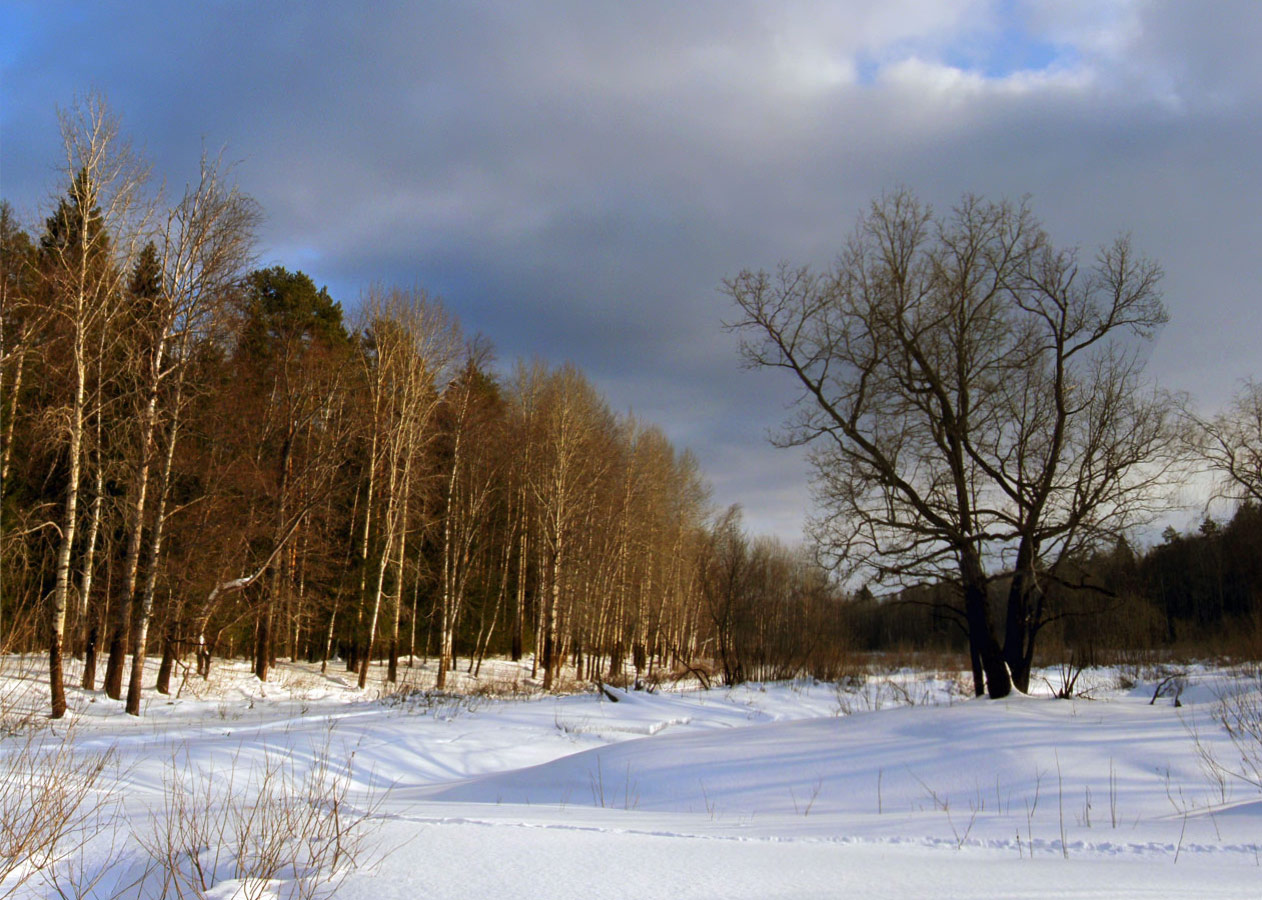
[
  {"x": 1170, "y": 683},
  {"x": 1070, "y": 669},
  {"x": 1240, "y": 713},
  {"x": 51, "y": 801},
  {"x": 440, "y": 704},
  {"x": 97, "y": 874},
  {"x": 858, "y": 693},
  {"x": 277, "y": 831},
  {"x": 503, "y": 689},
  {"x": 701, "y": 671},
  {"x": 22, "y": 696}
]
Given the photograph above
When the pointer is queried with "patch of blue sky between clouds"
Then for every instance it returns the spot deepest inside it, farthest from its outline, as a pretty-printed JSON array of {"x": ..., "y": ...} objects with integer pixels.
[
  {"x": 994, "y": 50},
  {"x": 1011, "y": 51}
]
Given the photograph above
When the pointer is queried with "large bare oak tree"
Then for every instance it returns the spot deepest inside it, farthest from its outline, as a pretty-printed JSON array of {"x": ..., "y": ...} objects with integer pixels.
[{"x": 974, "y": 403}]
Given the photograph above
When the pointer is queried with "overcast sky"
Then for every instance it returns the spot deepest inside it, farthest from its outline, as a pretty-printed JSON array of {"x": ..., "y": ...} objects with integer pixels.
[{"x": 576, "y": 179}]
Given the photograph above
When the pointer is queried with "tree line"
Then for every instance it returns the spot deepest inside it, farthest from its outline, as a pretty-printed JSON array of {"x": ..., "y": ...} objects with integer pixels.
[{"x": 203, "y": 458}]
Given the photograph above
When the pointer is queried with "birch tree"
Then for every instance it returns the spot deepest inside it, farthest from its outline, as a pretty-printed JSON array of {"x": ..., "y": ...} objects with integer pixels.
[
  {"x": 571, "y": 460},
  {"x": 207, "y": 244},
  {"x": 413, "y": 343},
  {"x": 472, "y": 481},
  {"x": 86, "y": 255}
]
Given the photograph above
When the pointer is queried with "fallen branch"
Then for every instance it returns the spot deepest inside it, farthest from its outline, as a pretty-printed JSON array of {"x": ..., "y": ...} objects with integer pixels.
[{"x": 1174, "y": 681}]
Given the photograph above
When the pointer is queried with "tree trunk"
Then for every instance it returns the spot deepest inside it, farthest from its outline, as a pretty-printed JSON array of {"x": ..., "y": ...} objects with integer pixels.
[
  {"x": 11, "y": 418},
  {"x": 96, "y": 612},
  {"x": 446, "y": 623},
  {"x": 61, "y": 587},
  {"x": 168, "y": 663},
  {"x": 550, "y": 627},
  {"x": 352, "y": 658},
  {"x": 484, "y": 640},
  {"x": 372, "y": 620},
  {"x": 127, "y": 602},
  {"x": 391, "y": 523},
  {"x": 982, "y": 644},
  {"x": 1018, "y": 645},
  {"x": 89, "y": 559},
  {"x": 519, "y": 613},
  {"x": 392, "y": 671},
  {"x": 328, "y": 635},
  {"x": 143, "y": 614}
]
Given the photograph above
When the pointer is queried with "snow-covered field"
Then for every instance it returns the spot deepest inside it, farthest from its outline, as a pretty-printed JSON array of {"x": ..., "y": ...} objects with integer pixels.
[{"x": 895, "y": 786}]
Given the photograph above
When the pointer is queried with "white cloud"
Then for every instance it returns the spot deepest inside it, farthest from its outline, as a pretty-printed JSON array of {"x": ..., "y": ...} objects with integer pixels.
[{"x": 934, "y": 82}]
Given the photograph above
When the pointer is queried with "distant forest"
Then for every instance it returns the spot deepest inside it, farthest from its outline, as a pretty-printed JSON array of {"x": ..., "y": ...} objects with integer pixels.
[
  {"x": 201, "y": 458},
  {"x": 1192, "y": 595}
]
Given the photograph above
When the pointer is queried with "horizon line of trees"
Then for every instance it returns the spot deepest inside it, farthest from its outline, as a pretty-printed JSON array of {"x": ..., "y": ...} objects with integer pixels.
[
  {"x": 199, "y": 458},
  {"x": 1196, "y": 593}
]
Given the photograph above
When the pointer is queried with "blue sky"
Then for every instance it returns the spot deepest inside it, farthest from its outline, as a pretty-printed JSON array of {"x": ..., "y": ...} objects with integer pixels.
[
  {"x": 576, "y": 178},
  {"x": 1000, "y": 43}
]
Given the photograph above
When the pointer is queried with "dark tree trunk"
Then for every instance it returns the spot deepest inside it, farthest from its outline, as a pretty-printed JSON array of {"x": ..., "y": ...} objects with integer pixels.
[
  {"x": 983, "y": 645},
  {"x": 55, "y": 676},
  {"x": 117, "y": 651},
  {"x": 262, "y": 643},
  {"x": 615, "y": 660},
  {"x": 167, "y": 665},
  {"x": 1018, "y": 640},
  {"x": 88, "y": 682}
]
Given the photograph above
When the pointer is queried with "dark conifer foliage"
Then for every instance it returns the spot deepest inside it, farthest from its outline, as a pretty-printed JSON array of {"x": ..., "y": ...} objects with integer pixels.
[{"x": 283, "y": 308}]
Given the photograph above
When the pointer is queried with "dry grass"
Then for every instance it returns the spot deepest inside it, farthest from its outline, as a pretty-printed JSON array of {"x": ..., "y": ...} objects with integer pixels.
[{"x": 271, "y": 829}]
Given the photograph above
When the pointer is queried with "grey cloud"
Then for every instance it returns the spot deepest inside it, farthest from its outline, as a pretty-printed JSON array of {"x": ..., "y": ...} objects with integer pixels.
[{"x": 577, "y": 178}]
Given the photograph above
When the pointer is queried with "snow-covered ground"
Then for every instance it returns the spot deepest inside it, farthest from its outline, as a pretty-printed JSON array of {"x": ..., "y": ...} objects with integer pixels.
[{"x": 894, "y": 786}]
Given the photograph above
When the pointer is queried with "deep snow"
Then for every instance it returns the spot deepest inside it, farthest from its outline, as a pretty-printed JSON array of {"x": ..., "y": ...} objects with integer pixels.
[{"x": 794, "y": 789}]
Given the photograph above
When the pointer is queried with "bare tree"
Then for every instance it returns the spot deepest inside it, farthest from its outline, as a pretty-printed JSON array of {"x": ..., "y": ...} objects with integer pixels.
[
  {"x": 725, "y": 587},
  {"x": 19, "y": 318},
  {"x": 207, "y": 245},
  {"x": 1230, "y": 444},
  {"x": 87, "y": 253},
  {"x": 523, "y": 424},
  {"x": 572, "y": 457},
  {"x": 472, "y": 483},
  {"x": 413, "y": 344},
  {"x": 1089, "y": 450},
  {"x": 973, "y": 400}
]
